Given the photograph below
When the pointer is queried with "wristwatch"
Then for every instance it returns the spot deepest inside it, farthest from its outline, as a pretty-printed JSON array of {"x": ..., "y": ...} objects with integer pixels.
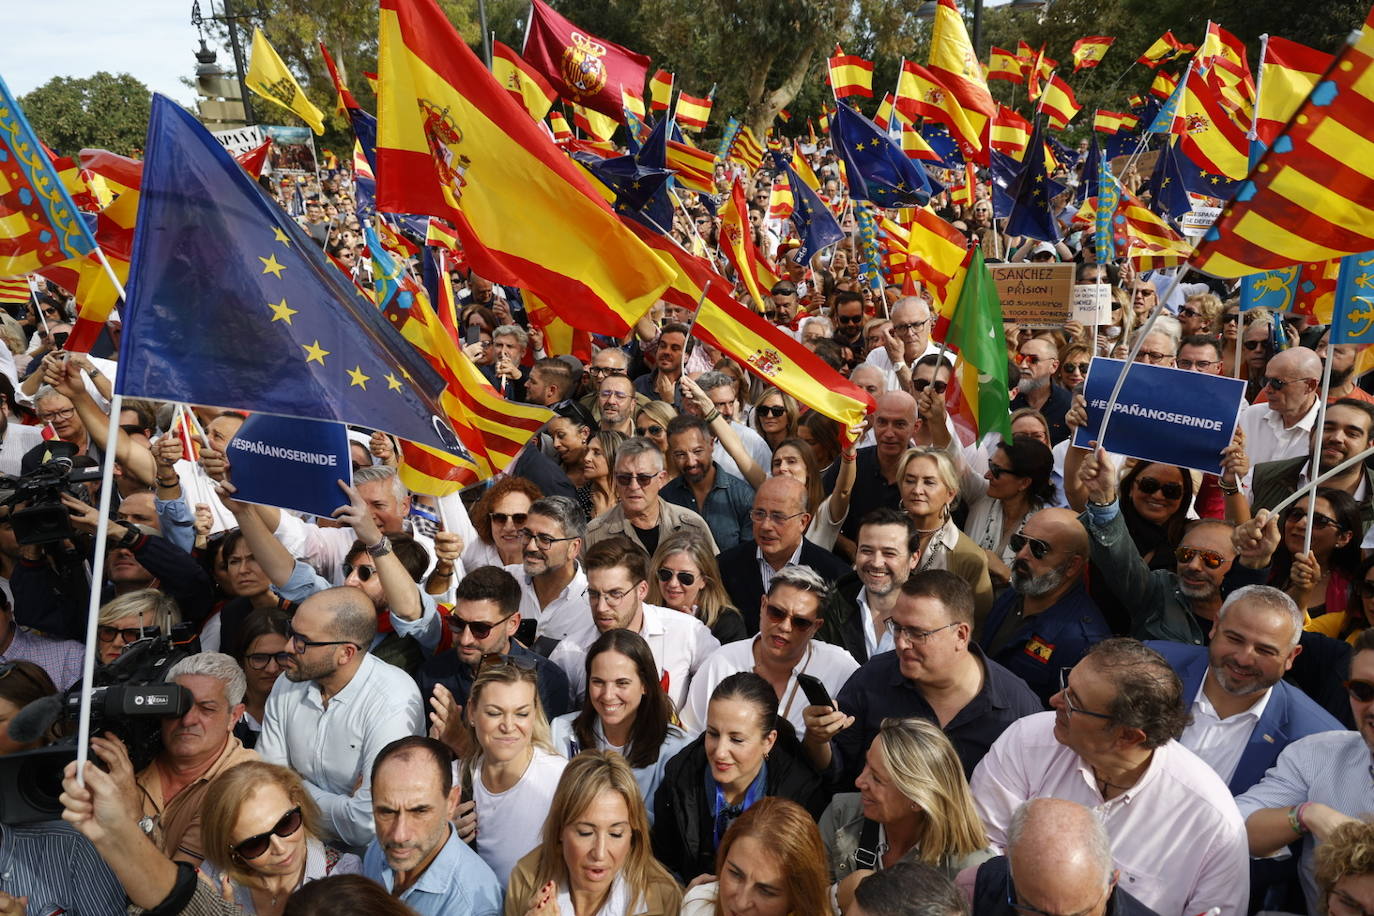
[{"x": 381, "y": 548}]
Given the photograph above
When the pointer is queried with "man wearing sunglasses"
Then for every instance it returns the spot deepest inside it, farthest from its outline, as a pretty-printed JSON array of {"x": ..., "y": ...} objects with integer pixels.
[
  {"x": 1046, "y": 620},
  {"x": 1214, "y": 559},
  {"x": 484, "y": 621},
  {"x": 791, "y": 615},
  {"x": 1282, "y": 428},
  {"x": 703, "y": 487},
  {"x": 723, "y": 393},
  {"x": 640, "y": 513},
  {"x": 849, "y": 320},
  {"x": 1037, "y": 388},
  {"x": 1111, "y": 745},
  {"x": 1319, "y": 782}
]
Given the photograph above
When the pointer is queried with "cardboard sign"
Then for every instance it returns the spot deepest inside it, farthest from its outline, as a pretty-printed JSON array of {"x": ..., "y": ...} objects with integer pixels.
[
  {"x": 1035, "y": 295},
  {"x": 241, "y": 140},
  {"x": 1092, "y": 304},
  {"x": 291, "y": 463},
  {"x": 1164, "y": 415}
]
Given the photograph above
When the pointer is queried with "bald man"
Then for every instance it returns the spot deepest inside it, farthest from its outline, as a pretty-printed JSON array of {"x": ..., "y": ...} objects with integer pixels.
[
  {"x": 779, "y": 518},
  {"x": 1282, "y": 427},
  {"x": 894, "y": 424},
  {"x": 1045, "y": 621},
  {"x": 1058, "y": 860}
]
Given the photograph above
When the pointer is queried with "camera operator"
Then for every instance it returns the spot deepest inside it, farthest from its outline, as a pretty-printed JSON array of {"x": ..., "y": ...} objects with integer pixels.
[
  {"x": 196, "y": 748},
  {"x": 49, "y": 587}
]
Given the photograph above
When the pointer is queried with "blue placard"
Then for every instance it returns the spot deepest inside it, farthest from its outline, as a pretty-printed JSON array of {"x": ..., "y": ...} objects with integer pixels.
[
  {"x": 291, "y": 463},
  {"x": 1166, "y": 415}
]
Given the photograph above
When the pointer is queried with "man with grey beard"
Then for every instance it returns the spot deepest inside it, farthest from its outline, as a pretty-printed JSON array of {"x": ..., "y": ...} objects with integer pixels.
[
  {"x": 1039, "y": 361},
  {"x": 1244, "y": 713},
  {"x": 1046, "y": 620}
]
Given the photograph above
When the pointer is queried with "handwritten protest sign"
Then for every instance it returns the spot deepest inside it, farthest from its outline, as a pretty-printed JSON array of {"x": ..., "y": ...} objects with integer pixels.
[{"x": 1034, "y": 295}]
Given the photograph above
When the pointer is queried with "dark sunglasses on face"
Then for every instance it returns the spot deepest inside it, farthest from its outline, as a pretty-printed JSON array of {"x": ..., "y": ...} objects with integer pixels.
[
  {"x": 654, "y": 430},
  {"x": 687, "y": 579},
  {"x": 515, "y": 518},
  {"x": 130, "y": 634},
  {"x": 1319, "y": 520},
  {"x": 1230, "y": 318},
  {"x": 1080, "y": 368},
  {"x": 1256, "y": 344},
  {"x": 255, "y": 846},
  {"x": 364, "y": 572},
  {"x": 1361, "y": 691},
  {"x": 921, "y": 384},
  {"x": 850, "y": 319},
  {"x": 1018, "y": 542},
  {"x": 1279, "y": 384},
  {"x": 480, "y": 630},
  {"x": 1149, "y": 486},
  {"x": 771, "y": 413},
  {"x": 1186, "y": 312},
  {"x": 800, "y": 624},
  {"x": 642, "y": 479},
  {"x": 1210, "y": 559}
]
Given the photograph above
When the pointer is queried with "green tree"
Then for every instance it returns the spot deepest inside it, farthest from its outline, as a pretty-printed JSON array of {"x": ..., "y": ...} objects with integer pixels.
[{"x": 103, "y": 111}]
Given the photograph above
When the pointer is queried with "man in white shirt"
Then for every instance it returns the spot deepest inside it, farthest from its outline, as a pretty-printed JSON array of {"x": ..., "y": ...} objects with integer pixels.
[
  {"x": 1111, "y": 744},
  {"x": 1244, "y": 713},
  {"x": 1282, "y": 427},
  {"x": 721, "y": 389},
  {"x": 790, "y": 616},
  {"x": 911, "y": 322},
  {"x": 336, "y": 708},
  {"x": 553, "y": 586},
  {"x": 617, "y": 582},
  {"x": 887, "y": 551}
]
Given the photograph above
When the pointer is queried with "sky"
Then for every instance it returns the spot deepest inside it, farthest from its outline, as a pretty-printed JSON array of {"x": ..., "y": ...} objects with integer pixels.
[{"x": 151, "y": 39}]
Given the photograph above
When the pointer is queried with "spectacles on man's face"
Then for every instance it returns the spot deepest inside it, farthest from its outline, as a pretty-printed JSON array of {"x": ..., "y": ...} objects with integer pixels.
[
  {"x": 1279, "y": 384},
  {"x": 612, "y": 597},
  {"x": 800, "y": 624},
  {"x": 1068, "y": 698},
  {"x": 1187, "y": 312},
  {"x": 910, "y": 327},
  {"x": 51, "y": 416},
  {"x": 777, "y": 518},
  {"x": 1141, "y": 292},
  {"x": 364, "y": 572},
  {"x": 301, "y": 644},
  {"x": 1199, "y": 365},
  {"x": 913, "y": 635},
  {"x": 1030, "y": 359},
  {"x": 604, "y": 371},
  {"x": 1038, "y": 548}
]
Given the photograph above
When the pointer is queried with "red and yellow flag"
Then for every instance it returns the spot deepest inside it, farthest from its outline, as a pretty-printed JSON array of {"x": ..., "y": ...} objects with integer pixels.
[
  {"x": 660, "y": 91},
  {"x": 1088, "y": 51},
  {"x": 1165, "y": 48},
  {"x": 851, "y": 75},
  {"x": 1059, "y": 103},
  {"x": 528, "y": 87},
  {"x": 692, "y": 113},
  {"x": 695, "y": 168},
  {"x": 1288, "y": 71},
  {"x": 1209, "y": 136},
  {"x": 586, "y": 70},
  {"x": 1163, "y": 85},
  {"x": 955, "y": 63},
  {"x": 737, "y": 243},
  {"x": 1111, "y": 122},
  {"x": 921, "y": 93},
  {"x": 453, "y": 143},
  {"x": 1010, "y": 133},
  {"x": 1005, "y": 65}
]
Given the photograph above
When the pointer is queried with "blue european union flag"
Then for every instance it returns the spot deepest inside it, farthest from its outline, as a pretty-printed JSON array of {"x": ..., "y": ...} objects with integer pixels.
[
  {"x": 1004, "y": 171},
  {"x": 815, "y": 224},
  {"x": 877, "y": 169},
  {"x": 942, "y": 144},
  {"x": 640, "y": 192},
  {"x": 231, "y": 304},
  {"x": 1167, "y": 185},
  {"x": 1031, "y": 213},
  {"x": 1352, "y": 315},
  {"x": 1088, "y": 183}
]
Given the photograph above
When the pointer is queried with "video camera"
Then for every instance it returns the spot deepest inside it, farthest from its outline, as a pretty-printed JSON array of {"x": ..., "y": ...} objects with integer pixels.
[
  {"x": 43, "y": 519},
  {"x": 129, "y": 699}
]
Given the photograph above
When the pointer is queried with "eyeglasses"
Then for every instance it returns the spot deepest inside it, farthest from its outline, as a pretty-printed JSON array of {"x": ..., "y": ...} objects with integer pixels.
[
  {"x": 301, "y": 644},
  {"x": 777, "y": 518},
  {"x": 480, "y": 629},
  {"x": 1319, "y": 520},
  {"x": 643, "y": 480},
  {"x": 1278, "y": 384},
  {"x": 667, "y": 575},
  {"x": 771, "y": 413},
  {"x": 1201, "y": 365},
  {"x": 1361, "y": 691},
  {"x": 910, "y": 327},
  {"x": 514, "y": 518},
  {"x": 1079, "y": 368},
  {"x": 1256, "y": 344},
  {"x": 1038, "y": 548},
  {"x": 613, "y": 597},
  {"x": 259, "y": 661},
  {"x": 1149, "y": 486},
  {"x": 783, "y": 292},
  {"x": 129, "y": 634},
  {"x": 654, "y": 430},
  {"x": 543, "y": 540},
  {"x": 605, "y": 371},
  {"x": 921, "y": 384},
  {"x": 1210, "y": 558},
  {"x": 1230, "y": 318},
  {"x": 1154, "y": 356},
  {"x": 800, "y": 624},
  {"x": 65, "y": 413},
  {"x": 1339, "y": 903},
  {"x": 1029, "y": 359},
  {"x": 913, "y": 635},
  {"x": 1143, "y": 291},
  {"x": 256, "y": 845},
  {"x": 615, "y": 396},
  {"x": 850, "y": 319},
  {"x": 364, "y": 572},
  {"x": 1068, "y": 701}
]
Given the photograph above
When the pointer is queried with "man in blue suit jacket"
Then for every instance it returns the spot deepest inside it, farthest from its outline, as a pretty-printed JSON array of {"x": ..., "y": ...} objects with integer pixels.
[{"x": 1244, "y": 713}]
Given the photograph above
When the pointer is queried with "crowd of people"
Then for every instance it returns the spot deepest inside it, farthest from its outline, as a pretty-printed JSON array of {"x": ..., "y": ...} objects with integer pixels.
[{"x": 701, "y": 650}]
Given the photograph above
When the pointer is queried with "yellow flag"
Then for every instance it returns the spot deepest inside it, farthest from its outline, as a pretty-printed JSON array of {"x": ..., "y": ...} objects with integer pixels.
[{"x": 269, "y": 78}]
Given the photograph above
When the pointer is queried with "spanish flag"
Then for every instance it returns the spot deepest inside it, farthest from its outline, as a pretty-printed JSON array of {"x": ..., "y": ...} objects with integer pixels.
[
  {"x": 916, "y": 147},
  {"x": 529, "y": 88},
  {"x": 269, "y": 78},
  {"x": 1165, "y": 48},
  {"x": 954, "y": 62},
  {"x": 850, "y": 75},
  {"x": 1113, "y": 122},
  {"x": 1211, "y": 139},
  {"x": 453, "y": 143},
  {"x": 1163, "y": 85},
  {"x": 1088, "y": 51},
  {"x": 737, "y": 243},
  {"x": 660, "y": 91},
  {"x": 1010, "y": 133},
  {"x": 695, "y": 168},
  {"x": 692, "y": 112},
  {"x": 1288, "y": 71},
  {"x": 1058, "y": 103},
  {"x": 920, "y": 93},
  {"x": 1005, "y": 65}
]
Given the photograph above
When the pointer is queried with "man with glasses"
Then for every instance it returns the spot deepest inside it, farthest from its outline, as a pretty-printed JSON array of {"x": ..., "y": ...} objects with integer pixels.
[
  {"x": 336, "y": 708},
  {"x": 1319, "y": 782},
  {"x": 608, "y": 361},
  {"x": 1111, "y": 744},
  {"x": 935, "y": 672},
  {"x": 615, "y": 401},
  {"x": 1257, "y": 346},
  {"x": 1282, "y": 428},
  {"x": 553, "y": 585},
  {"x": 779, "y": 520},
  {"x": 702, "y": 486},
  {"x": 1038, "y": 361},
  {"x": 1347, "y": 430},
  {"x": 849, "y": 319},
  {"x": 791, "y": 615},
  {"x": 1058, "y": 860},
  {"x": 1046, "y": 620},
  {"x": 1157, "y": 348},
  {"x": 484, "y": 621},
  {"x": 1200, "y": 353},
  {"x": 1214, "y": 558},
  {"x": 617, "y": 583},
  {"x": 639, "y": 513},
  {"x": 909, "y": 340}
]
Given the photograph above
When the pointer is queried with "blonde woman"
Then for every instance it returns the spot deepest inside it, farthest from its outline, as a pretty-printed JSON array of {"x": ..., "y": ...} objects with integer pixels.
[
  {"x": 775, "y": 416},
  {"x": 596, "y": 858},
  {"x": 928, "y": 484},
  {"x": 141, "y": 614},
  {"x": 683, "y": 575},
  {"x": 913, "y": 802}
]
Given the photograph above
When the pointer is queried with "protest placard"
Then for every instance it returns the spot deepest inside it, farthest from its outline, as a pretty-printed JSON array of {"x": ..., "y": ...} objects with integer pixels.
[
  {"x": 1092, "y": 304},
  {"x": 291, "y": 463},
  {"x": 1166, "y": 415},
  {"x": 1034, "y": 295}
]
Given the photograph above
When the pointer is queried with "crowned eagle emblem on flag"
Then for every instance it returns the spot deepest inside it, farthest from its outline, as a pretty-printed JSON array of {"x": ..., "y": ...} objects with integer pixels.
[
  {"x": 442, "y": 135},
  {"x": 767, "y": 361}
]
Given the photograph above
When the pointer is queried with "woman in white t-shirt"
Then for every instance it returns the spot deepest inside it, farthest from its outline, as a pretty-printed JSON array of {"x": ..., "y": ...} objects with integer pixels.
[{"x": 515, "y": 772}]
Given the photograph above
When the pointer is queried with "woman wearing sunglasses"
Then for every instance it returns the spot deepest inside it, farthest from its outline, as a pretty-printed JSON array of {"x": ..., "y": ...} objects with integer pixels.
[
  {"x": 133, "y": 616},
  {"x": 1154, "y": 502},
  {"x": 598, "y": 475},
  {"x": 498, "y": 517},
  {"x": 625, "y": 711},
  {"x": 1228, "y": 329},
  {"x": 1073, "y": 365},
  {"x": 651, "y": 422},
  {"x": 775, "y": 416},
  {"x": 261, "y": 833},
  {"x": 1200, "y": 314},
  {"x": 1319, "y": 581},
  {"x": 1358, "y": 615},
  {"x": 1015, "y": 486},
  {"x": 263, "y": 636},
  {"x": 684, "y": 576}
]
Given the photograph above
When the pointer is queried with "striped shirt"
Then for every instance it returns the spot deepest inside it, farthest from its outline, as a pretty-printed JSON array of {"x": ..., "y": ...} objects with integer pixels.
[{"x": 58, "y": 870}]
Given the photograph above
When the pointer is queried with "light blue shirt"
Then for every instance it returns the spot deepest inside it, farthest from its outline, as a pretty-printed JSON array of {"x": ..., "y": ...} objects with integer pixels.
[
  {"x": 646, "y": 777},
  {"x": 457, "y": 881}
]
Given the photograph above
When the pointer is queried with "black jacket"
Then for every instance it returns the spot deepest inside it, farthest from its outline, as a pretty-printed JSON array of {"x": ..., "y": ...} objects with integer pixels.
[
  {"x": 684, "y": 833},
  {"x": 990, "y": 894},
  {"x": 843, "y": 626},
  {"x": 739, "y": 573}
]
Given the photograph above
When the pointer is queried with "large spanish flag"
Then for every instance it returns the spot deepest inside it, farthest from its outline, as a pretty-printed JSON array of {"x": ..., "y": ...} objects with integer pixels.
[
  {"x": 453, "y": 143},
  {"x": 954, "y": 62},
  {"x": 737, "y": 243}
]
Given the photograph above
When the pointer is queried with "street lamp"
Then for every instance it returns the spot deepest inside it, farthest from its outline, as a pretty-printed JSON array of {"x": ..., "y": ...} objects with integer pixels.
[
  {"x": 231, "y": 20},
  {"x": 927, "y": 12}
]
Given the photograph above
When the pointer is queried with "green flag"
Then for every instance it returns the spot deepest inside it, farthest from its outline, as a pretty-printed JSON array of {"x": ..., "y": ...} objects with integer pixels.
[{"x": 975, "y": 329}]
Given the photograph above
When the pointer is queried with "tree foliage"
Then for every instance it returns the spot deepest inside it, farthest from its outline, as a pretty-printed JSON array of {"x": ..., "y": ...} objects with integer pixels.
[{"x": 102, "y": 111}]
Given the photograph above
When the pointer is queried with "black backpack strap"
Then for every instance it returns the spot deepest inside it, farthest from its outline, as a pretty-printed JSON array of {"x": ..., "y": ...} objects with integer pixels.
[{"x": 866, "y": 856}]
